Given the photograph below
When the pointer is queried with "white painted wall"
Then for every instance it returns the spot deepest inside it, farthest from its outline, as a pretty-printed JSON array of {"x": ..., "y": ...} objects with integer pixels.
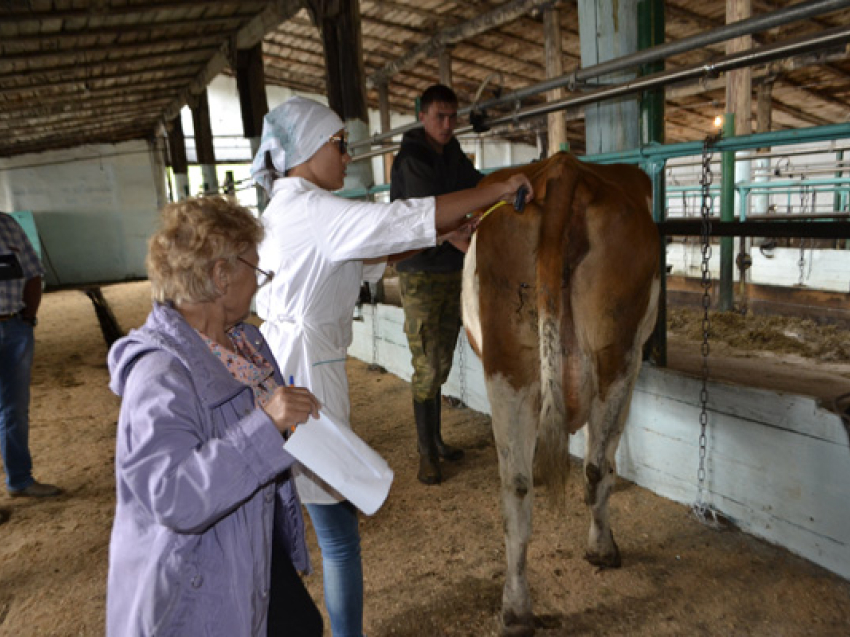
[
  {"x": 778, "y": 465},
  {"x": 821, "y": 269},
  {"x": 94, "y": 207}
]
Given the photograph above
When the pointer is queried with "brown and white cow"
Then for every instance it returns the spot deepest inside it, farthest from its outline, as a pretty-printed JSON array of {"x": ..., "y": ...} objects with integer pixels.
[{"x": 558, "y": 301}]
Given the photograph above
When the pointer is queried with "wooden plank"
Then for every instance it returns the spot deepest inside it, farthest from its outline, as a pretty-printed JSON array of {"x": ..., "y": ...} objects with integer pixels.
[{"x": 554, "y": 68}]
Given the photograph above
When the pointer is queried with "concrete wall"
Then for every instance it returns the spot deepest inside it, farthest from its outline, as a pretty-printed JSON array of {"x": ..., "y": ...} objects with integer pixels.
[
  {"x": 778, "y": 465},
  {"x": 94, "y": 207}
]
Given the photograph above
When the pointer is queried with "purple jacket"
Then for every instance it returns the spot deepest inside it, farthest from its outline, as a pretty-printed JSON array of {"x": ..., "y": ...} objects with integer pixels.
[{"x": 195, "y": 469}]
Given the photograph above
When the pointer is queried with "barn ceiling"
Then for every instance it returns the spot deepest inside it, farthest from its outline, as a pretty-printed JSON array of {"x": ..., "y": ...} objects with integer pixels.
[{"x": 75, "y": 72}]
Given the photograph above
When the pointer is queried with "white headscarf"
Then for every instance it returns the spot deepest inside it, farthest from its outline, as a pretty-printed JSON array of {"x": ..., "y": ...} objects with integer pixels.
[{"x": 292, "y": 133}]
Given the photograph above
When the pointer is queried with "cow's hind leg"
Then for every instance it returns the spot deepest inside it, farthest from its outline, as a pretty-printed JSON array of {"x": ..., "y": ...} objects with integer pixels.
[
  {"x": 515, "y": 415},
  {"x": 604, "y": 428}
]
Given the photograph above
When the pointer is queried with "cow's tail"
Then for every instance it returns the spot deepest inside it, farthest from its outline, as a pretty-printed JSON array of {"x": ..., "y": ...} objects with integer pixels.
[{"x": 552, "y": 455}]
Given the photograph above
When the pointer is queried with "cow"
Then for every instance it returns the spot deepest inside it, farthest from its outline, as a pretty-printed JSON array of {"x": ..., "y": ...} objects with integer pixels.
[{"x": 558, "y": 302}]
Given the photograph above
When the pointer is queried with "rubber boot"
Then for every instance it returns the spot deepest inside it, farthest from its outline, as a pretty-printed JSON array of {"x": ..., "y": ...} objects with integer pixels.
[
  {"x": 429, "y": 459},
  {"x": 452, "y": 454}
]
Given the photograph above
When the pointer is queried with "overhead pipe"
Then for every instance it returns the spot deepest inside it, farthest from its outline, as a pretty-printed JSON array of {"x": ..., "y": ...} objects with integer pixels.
[
  {"x": 823, "y": 39},
  {"x": 770, "y": 20}
]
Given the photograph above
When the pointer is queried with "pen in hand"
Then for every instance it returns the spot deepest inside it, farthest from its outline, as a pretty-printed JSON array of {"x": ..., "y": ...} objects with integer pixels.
[{"x": 291, "y": 406}]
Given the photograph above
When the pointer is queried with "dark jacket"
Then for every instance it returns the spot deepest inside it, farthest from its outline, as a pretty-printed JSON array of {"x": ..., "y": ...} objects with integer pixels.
[{"x": 420, "y": 171}]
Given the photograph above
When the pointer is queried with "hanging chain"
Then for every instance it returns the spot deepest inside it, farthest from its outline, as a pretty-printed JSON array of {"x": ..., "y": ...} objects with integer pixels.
[
  {"x": 703, "y": 512},
  {"x": 375, "y": 366},
  {"x": 461, "y": 362},
  {"x": 804, "y": 197}
]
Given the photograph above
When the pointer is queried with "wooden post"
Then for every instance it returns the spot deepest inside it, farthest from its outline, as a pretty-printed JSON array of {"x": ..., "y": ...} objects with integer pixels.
[
  {"x": 650, "y": 34},
  {"x": 764, "y": 107},
  {"x": 251, "y": 84},
  {"x": 204, "y": 142},
  {"x": 739, "y": 103},
  {"x": 444, "y": 59},
  {"x": 554, "y": 68},
  {"x": 739, "y": 82},
  {"x": 384, "y": 106},
  {"x": 608, "y": 30},
  {"x": 339, "y": 26},
  {"x": 177, "y": 153}
]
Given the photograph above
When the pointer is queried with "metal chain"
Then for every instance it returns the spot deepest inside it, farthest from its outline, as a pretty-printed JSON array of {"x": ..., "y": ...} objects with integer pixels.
[
  {"x": 804, "y": 197},
  {"x": 461, "y": 361},
  {"x": 375, "y": 366},
  {"x": 703, "y": 512}
]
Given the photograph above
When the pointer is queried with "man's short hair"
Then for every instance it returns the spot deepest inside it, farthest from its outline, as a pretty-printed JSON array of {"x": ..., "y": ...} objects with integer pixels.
[{"x": 437, "y": 93}]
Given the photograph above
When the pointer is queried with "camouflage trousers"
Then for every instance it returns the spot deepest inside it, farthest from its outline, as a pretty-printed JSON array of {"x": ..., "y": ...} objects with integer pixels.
[{"x": 431, "y": 322}]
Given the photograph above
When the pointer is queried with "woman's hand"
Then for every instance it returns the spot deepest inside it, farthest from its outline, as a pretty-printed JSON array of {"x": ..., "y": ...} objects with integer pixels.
[
  {"x": 513, "y": 184},
  {"x": 290, "y": 407},
  {"x": 456, "y": 208}
]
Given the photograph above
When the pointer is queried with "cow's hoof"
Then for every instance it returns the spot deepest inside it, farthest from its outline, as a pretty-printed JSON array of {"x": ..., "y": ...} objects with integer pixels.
[
  {"x": 605, "y": 560},
  {"x": 517, "y": 626}
]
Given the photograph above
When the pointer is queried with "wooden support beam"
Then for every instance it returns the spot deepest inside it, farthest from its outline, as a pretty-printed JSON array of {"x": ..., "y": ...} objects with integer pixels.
[
  {"x": 253, "y": 103},
  {"x": 251, "y": 84},
  {"x": 201, "y": 25},
  {"x": 739, "y": 82},
  {"x": 444, "y": 59},
  {"x": 501, "y": 15},
  {"x": 204, "y": 141},
  {"x": 384, "y": 108},
  {"x": 104, "y": 11},
  {"x": 763, "y": 107},
  {"x": 338, "y": 22},
  {"x": 123, "y": 62},
  {"x": 608, "y": 31},
  {"x": 554, "y": 68},
  {"x": 177, "y": 158},
  {"x": 276, "y": 12}
]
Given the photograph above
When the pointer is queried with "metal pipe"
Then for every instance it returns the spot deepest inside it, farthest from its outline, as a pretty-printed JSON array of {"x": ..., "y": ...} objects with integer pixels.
[
  {"x": 662, "y": 52},
  {"x": 824, "y": 39},
  {"x": 727, "y": 214},
  {"x": 736, "y": 29},
  {"x": 802, "y": 229}
]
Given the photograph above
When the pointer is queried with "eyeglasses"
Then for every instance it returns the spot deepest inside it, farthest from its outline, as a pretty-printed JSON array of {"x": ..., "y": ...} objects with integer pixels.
[
  {"x": 263, "y": 277},
  {"x": 341, "y": 143}
]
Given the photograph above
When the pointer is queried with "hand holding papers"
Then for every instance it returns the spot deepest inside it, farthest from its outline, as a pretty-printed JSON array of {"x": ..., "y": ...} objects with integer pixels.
[{"x": 343, "y": 460}]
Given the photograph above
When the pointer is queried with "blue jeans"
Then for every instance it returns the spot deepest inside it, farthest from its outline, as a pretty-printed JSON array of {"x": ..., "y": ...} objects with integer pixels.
[
  {"x": 16, "y": 353},
  {"x": 339, "y": 540}
]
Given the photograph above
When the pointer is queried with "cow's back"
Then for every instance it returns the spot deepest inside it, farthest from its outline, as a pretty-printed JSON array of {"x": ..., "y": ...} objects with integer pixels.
[{"x": 564, "y": 287}]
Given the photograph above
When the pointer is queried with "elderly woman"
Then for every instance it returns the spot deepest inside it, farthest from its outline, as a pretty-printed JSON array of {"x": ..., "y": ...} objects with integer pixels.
[
  {"x": 208, "y": 524},
  {"x": 317, "y": 243}
]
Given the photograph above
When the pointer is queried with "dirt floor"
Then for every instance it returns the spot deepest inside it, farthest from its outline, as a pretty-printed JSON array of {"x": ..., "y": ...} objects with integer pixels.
[{"x": 433, "y": 555}]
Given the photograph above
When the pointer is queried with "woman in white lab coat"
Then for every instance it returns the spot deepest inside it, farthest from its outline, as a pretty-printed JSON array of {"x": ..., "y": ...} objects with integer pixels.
[{"x": 320, "y": 247}]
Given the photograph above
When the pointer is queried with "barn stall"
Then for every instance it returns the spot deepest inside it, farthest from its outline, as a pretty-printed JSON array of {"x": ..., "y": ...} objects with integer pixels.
[{"x": 800, "y": 84}]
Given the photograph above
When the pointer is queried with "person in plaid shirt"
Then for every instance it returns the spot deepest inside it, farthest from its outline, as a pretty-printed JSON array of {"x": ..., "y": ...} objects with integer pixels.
[{"x": 20, "y": 294}]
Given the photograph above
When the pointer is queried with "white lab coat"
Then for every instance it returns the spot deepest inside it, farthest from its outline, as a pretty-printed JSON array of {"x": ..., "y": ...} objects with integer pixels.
[{"x": 315, "y": 244}]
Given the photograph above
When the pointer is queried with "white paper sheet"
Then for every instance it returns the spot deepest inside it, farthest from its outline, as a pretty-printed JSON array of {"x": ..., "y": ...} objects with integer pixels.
[{"x": 340, "y": 458}]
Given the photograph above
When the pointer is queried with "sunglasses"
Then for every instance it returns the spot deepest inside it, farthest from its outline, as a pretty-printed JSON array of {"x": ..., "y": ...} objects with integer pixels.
[
  {"x": 341, "y": 143},
  {"x": 263, "y": 277}
]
